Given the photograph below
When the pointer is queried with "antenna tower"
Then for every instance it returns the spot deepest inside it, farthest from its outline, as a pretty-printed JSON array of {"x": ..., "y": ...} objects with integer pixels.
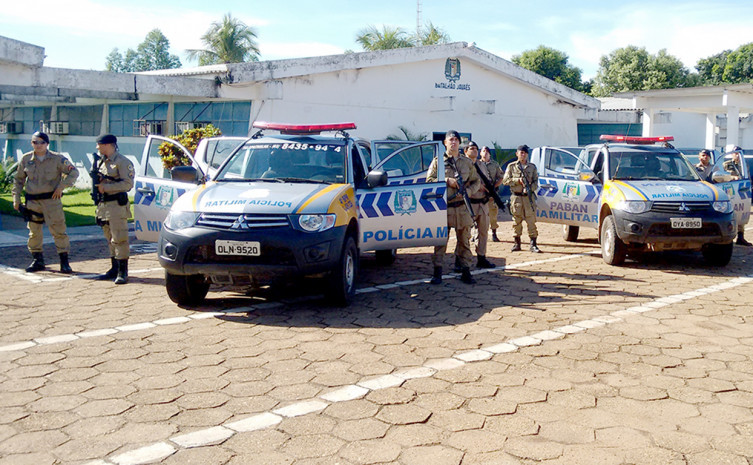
[{"x": 418, "y": 18}]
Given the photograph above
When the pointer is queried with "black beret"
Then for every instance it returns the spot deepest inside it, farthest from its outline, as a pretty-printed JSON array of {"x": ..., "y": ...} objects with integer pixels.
[
  {"x": 107, "y": 139},
  {"x": 452, "y": 133},
  {"x": 736, "y": 149},
  {"x": 42, "y": 136},
  {"x": 471, "y": 144},
  {"x": 524, "y": 148}
]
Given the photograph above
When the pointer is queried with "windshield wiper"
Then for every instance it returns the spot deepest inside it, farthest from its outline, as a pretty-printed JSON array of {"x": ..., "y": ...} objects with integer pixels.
[
  {"x": 304, "y": 180},
  {"x": 250, "y": 180}
]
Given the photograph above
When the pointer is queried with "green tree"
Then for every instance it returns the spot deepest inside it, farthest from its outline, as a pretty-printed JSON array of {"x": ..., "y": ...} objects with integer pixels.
[
  {"x": 227, "y": 41},
  {"x": 739, "y": 66},
  {"x": 153, "y": 53},
  {"x": 407, "y": 134},
  {"x": 388, "y": 38},
  {"x": 432, "y": 35},
  {"x": 633, "y": 68},
  {"x": 552, "y": 64},
  {"x": 711, "y": 69}
]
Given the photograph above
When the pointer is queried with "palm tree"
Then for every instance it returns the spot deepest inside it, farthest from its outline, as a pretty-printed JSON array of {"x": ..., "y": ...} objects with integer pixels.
[
  {"x": 228, "y": 41},
  {"x": 388, "y": 38},
  {"x": 432, "y": 35}
]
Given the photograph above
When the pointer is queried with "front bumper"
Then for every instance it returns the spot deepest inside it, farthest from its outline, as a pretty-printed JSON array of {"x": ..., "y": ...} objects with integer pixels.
[
  {"x": 655, "y": 230},
  {"x": 284, "y": 252}
]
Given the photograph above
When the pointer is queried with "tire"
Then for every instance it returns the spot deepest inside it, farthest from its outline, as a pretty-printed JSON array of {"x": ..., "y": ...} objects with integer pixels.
[
  {"x": 186, "y": 290},
  {"x": 570, "y": 233},
  {"x": 342, "y": 279},
  {"x": 386, "y": 257},
  {"x": 717, "y": 254},
  {"x": 613, "y": 250}
]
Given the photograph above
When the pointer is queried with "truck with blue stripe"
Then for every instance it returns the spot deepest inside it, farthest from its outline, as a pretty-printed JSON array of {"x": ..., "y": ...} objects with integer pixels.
[
  {"x": 641, "y": 195},
  {"x": 296, "y": 203}
]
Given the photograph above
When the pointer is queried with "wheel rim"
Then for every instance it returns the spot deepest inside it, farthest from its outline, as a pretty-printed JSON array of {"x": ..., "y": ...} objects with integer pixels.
[
  {"x": 350, "y": 271},
  {"x": 609, "y": 241}
]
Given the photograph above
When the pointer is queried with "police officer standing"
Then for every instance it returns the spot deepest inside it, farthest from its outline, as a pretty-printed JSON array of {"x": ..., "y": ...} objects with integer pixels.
[
  {"x": 523, "y": 180},
  {"x": 496, "y": 175},
  {"x": 458, "y": 216},
  {"x": 43, "y": 175},
  {"x": 116, "y": 175},
  {"x": 733, "y": 167},
  {"x": 480, "y": 203},
  {"x": 704, "y": 165}
]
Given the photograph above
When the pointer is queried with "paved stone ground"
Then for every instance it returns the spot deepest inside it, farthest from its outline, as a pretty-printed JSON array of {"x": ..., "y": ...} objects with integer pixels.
[{"x": 556, "y": 359}]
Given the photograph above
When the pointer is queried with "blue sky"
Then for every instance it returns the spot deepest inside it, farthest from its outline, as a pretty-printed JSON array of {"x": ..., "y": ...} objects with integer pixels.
[{"x": 81, "y": 33}]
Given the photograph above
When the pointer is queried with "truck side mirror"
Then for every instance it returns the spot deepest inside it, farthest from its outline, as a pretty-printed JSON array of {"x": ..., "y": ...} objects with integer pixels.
[
  {"x": 587, "y": 176},
  {"x": 376, "y": 178},
  {"x": 185, "y": 174}
]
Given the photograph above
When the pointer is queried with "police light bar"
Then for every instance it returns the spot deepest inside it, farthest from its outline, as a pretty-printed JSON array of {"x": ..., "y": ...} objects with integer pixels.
[
  {"x": 303, "y": 128},
  {"x": 635, "y": 139}
]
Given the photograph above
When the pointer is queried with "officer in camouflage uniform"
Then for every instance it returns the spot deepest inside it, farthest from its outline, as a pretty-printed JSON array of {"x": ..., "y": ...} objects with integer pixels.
[
  {"x": 458, "y": 216},
  {"x": 733, "y": 167},
  {"x": 43, "y": 175},
  {"x": 116, "y": 179},
  {"x": 522, "y": 197},
  {"x": 480, "y": 204},
  {"x": 496, "y": 175}
]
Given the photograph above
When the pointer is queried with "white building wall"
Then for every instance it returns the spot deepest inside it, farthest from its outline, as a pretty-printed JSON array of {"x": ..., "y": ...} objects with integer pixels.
[
  {"x": 688, "y": 129},
  {"x": 491, "y": 106}
]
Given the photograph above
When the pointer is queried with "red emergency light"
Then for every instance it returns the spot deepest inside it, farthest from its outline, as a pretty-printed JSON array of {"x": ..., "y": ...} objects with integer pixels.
[
  {"x": 635, "y": 139},
  {"x": 303, "y": 128}
]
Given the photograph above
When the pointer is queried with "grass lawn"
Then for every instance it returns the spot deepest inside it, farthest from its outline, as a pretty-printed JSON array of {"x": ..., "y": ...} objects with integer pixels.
[{"x": 77, "y": 205}]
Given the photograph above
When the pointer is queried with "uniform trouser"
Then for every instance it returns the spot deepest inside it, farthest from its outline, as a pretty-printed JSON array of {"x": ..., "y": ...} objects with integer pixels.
[
  {"x": 116, "y": 228},
  {"x": 52, "y": 210},
  {"x": 741, "y": 228},
  {"x": 482, "y": 220},
  {"x": 459, "y": 219},
  {"x": 493, "y": 212},
  {"x": 521, "y": 209}
]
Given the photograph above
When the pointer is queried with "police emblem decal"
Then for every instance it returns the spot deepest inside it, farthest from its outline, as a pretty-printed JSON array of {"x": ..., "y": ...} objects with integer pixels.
[
  {"x": 405, "y": 202},
  {"x": 452, "y": 69},
  {"x": 165, "y": 197}
]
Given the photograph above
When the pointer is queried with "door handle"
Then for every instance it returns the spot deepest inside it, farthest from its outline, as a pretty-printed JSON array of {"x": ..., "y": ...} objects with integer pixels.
[
  {"x": 549, "y": 187},
  {"x": 432, "y": 196},
  {"x": 145, "y": 191}
]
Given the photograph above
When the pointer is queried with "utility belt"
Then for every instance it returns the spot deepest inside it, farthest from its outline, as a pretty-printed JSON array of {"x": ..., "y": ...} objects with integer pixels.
[
  {"x": 42, "y": 196},
  {"x": 120, "y": 197},
  {"x": 481, "y": 200},
  {"x": 30, "y": 215},
  {"x": 455, "y": 204},
  {"x": 521, "y": 194}
]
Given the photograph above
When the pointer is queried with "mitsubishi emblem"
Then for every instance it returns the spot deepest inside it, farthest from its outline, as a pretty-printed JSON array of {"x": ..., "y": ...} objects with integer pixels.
[
  {"x": 683, "y": 207},
  {"x": 240, "y": 223}
]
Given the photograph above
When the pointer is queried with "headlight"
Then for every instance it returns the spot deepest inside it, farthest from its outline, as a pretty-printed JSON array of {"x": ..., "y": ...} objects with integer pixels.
[
  {"x": 724, "y": 206},
  {"x": 180, "y": 220},
  {"x": 316, "y": 223},
  {"x": 633, "y": 206}
]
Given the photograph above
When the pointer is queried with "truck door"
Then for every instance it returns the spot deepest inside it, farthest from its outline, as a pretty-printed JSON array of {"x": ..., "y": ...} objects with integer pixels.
[
  {"x": 566, "y": 193},
  {"x": 408, "y": 211},
  {"x": 738, "y": 190},
  {"x": 155, "y": 189}
]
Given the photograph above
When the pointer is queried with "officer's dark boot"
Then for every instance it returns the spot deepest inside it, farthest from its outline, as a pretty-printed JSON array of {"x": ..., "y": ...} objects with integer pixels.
[
  {"x": 494, "y": 236},
  {"x": 37, "y": 263},
  {"x": 465, "y": 276},
  {"x": 122, "y": 272},
  {"x": 458, "y": 267},
  {"x": 534, "y": 247},
  {"x": 516, "y": 246},
  {"x": 437, "y": 278},
  {"x": 112, "y": 273},
  {"x": 741, "y": 239},
  {"x": 482, "y": 262},
  {"x": 65, "y": 267}
]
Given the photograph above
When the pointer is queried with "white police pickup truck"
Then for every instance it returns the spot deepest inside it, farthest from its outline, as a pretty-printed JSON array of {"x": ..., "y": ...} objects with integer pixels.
[
  {"x": 294, "y": 203},
  {"x": 641, "y": 195}
]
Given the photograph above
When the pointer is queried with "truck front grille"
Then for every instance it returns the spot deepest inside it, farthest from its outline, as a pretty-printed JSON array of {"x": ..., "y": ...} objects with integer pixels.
[
  {"x": 241, "y": 222},
  {"x": 680, "y": 207}
]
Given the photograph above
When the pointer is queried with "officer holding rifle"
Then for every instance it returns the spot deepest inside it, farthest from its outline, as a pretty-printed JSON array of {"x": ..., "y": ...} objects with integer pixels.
[
  {"x": 523, "y": 180},
  {"x": 462, "y": 181}
]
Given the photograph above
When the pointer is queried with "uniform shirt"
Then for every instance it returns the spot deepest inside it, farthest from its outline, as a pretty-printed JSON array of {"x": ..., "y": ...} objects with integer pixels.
[
  {"x": 43, "y": 176},
  {"x": 732, "y": 167},
  {"x": 513, "y": 176},
  {"x": 481, "y": 193},
  {"x": 117, "y": 167},
  {"x": 704, "y": 171},
  {"x": 495, "y": 171},
  {"x": 471, "y": 180}
]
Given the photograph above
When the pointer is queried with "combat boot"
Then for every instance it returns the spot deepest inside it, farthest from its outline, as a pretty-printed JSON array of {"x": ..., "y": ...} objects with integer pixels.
[
  {"x": 112, "y": 273},
  {"x": 437, "y": 278},
  {"x": 516, "y": 246},
  {"x": 494, "y": 236},
  {"x": 741, "y": 239},
  {"x": 65, "y": 267},
  {"x": 534, "y": 247},
  {"x": 122, "y": 272},
  {"x": 37, "y": 263},
  {"x": 465, "y": 276},
  {"x": 482, "y": 262}
]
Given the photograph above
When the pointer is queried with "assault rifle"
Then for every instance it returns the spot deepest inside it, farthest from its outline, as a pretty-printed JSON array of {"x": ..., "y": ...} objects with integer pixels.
[
  {"x": 96, "y": 178},
  {"x": 490, "y": 188},
  {"x": 531, "y": 194},
  {"x": 461, "y": 191}
]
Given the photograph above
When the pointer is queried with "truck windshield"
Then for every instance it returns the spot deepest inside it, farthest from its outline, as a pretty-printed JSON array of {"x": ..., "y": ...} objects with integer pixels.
[
  {"x": 650, "y": 165},
  {"x": 286, "y": 161}
]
